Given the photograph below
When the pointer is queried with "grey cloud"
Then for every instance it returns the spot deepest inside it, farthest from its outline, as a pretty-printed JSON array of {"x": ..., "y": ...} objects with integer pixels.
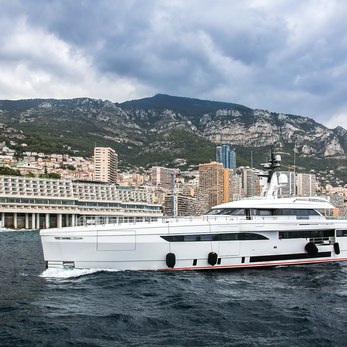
[{"x": 285, "y": 56}]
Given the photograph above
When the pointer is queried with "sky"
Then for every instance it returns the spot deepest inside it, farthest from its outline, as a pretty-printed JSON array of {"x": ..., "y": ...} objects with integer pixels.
[{"x": 287, "y": 56}]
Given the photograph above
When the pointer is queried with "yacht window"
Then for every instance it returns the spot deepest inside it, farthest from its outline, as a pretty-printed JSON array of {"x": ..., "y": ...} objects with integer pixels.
[
  {"x": 262, "y": 212},
  {"x": 214, "y": 237},
  {"x": 242, "y": 236},
  {"x": 251, "y": 236},
  {"x": 228, "y": 211},
  {"x": 191, "y": 238},
  {"x": 295, "y": 212},
  {"x": 341, "y": 233},
  {"x": 302, "y": 234},
  {"x": 239, "y": 212},
  {"x": 201, "y": 237}
]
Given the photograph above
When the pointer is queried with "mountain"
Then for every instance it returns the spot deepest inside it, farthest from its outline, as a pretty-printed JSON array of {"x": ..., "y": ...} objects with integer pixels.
[
  {"x": 160, "y": 129},
  {"x": 187, "y": 106},
  {"x": 241, "y": 126}
]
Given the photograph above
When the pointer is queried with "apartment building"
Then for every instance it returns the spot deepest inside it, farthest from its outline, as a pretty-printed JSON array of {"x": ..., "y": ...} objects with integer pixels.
[
  {"x": 211, "y": 182},
  {"x": 105, "y": 164},
  {"x": 32, "y": 203}
]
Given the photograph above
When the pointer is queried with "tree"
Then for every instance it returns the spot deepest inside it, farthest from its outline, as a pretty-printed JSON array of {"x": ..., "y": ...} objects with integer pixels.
[
  {"x": 52, "y": 175},
  {"x": 5, "y": 170}
]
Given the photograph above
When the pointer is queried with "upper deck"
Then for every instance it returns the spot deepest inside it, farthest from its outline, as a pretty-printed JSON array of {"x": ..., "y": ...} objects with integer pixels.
[{"x": 314, "y": 203}]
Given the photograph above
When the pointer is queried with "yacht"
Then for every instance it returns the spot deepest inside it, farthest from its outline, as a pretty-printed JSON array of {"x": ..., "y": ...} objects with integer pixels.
[{"x": 258, "y": 232}]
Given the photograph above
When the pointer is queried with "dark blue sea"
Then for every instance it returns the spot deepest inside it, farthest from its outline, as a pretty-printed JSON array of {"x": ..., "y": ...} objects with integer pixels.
[{"x": 282, "y": 306}]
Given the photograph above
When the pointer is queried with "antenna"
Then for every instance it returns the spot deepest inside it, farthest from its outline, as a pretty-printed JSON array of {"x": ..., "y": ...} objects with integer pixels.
[
  {"x": 172, "y": 186},
  {"x": 252, "y": 175},
  {"x": 294, "y": 169}
]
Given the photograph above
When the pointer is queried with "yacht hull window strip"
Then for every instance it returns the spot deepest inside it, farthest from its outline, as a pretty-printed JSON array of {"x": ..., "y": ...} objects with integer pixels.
[{"x": 261, "y": 258}]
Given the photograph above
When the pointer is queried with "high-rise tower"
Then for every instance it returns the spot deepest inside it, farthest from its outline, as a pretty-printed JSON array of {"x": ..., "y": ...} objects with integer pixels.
[
  {"x": 163, "y": 177},
  {"x": 106, "y": 164},
  {"x": 226, "y": 156},
  {"x": 211, "y": 183}
]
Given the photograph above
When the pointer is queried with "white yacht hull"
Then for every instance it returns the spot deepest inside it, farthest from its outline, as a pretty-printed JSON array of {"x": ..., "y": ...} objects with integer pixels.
[{"x": 195, "y": 245}]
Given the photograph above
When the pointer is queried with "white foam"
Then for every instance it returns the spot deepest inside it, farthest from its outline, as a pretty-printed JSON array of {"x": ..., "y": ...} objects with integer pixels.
[
  {"x": 71, "y": 273},
  {"x": 6, "y": 230}
]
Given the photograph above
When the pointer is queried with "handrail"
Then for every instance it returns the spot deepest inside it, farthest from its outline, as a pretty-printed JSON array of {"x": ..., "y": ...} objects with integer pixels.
[{"x": 101, "y": 220}]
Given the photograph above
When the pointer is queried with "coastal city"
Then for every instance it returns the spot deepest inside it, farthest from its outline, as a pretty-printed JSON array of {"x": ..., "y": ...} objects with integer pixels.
[{"x": 42, "y": 190}]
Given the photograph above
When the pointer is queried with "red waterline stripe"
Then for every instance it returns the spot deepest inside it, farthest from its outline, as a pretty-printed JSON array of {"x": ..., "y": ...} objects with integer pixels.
[{"x": 311, "y": 261}]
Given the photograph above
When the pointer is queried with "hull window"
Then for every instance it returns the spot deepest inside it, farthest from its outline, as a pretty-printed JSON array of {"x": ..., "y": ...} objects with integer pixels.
[
  {"x": 214, "y": 237},
  {"x": 288, "y": 257},
  {"x": 341, "y": 233},
  {"x": 306, "y": 234}
]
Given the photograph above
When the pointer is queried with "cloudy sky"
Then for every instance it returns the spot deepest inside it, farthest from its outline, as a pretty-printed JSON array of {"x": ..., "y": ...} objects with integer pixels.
[{"x": 285, "y": 56}]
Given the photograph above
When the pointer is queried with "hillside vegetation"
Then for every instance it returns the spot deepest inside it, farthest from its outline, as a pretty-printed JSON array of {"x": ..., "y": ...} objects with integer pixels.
[{"x": 171, "y": 131}]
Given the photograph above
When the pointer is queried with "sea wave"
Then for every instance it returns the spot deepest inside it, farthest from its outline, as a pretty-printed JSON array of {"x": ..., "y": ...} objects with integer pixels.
[
  {"x": 284, "y": 306},
  {"x": 71, "y": 273},
  {"x": 6, "y": 230}
]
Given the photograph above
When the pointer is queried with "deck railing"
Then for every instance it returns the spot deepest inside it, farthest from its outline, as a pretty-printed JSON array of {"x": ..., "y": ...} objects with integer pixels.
[{"x": 101, "y": 220}]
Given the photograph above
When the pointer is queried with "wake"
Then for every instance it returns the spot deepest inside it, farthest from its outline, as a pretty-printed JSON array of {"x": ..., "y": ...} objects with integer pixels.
[{"x": 71, "y": 273}]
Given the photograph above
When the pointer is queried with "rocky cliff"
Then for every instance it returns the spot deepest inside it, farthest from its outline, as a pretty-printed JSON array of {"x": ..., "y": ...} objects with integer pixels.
[{"x": 151, "y": 128}]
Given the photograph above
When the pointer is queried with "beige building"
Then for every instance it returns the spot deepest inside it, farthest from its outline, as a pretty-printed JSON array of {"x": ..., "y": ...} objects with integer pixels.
[
  {"x": 105, "y": 164},
  {"x": 162, "y": 177},
  {"x": 306, "y": 184},
  {"x": 250, "y": 182},
  {"x": 211, "y": 183}
]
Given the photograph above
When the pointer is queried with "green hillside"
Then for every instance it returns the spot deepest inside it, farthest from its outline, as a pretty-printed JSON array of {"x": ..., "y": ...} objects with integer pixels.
[{"x": 144, "y": 133}]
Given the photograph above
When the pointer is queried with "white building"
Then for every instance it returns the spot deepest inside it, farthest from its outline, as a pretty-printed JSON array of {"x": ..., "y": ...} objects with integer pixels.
[{"x": 33, "y": 203}]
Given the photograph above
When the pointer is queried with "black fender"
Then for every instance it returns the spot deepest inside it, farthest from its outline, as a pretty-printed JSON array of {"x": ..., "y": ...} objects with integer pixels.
[
  {"x": 212, "y": 258},
  {"x": 311, "y": 249},
  {"x": 171, "y": 260},
  {"x": 336, "y": 248}
]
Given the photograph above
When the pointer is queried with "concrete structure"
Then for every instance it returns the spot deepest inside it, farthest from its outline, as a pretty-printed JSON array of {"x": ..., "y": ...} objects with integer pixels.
[
  {"x": 236, "y": 190},
  {"x": 306, "y": 184},
  {"x": 227, "y": 156},
  {"x": 105, "y": 164},
  {"x": 211, "y": 181},
  {"x": 250, "y": 182},
  {"x": 227, "y": 185},
  {"x": 162, "y": 177},
  {"x": 34, "y": 203},
  {"x": 183, "y": 205}
]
